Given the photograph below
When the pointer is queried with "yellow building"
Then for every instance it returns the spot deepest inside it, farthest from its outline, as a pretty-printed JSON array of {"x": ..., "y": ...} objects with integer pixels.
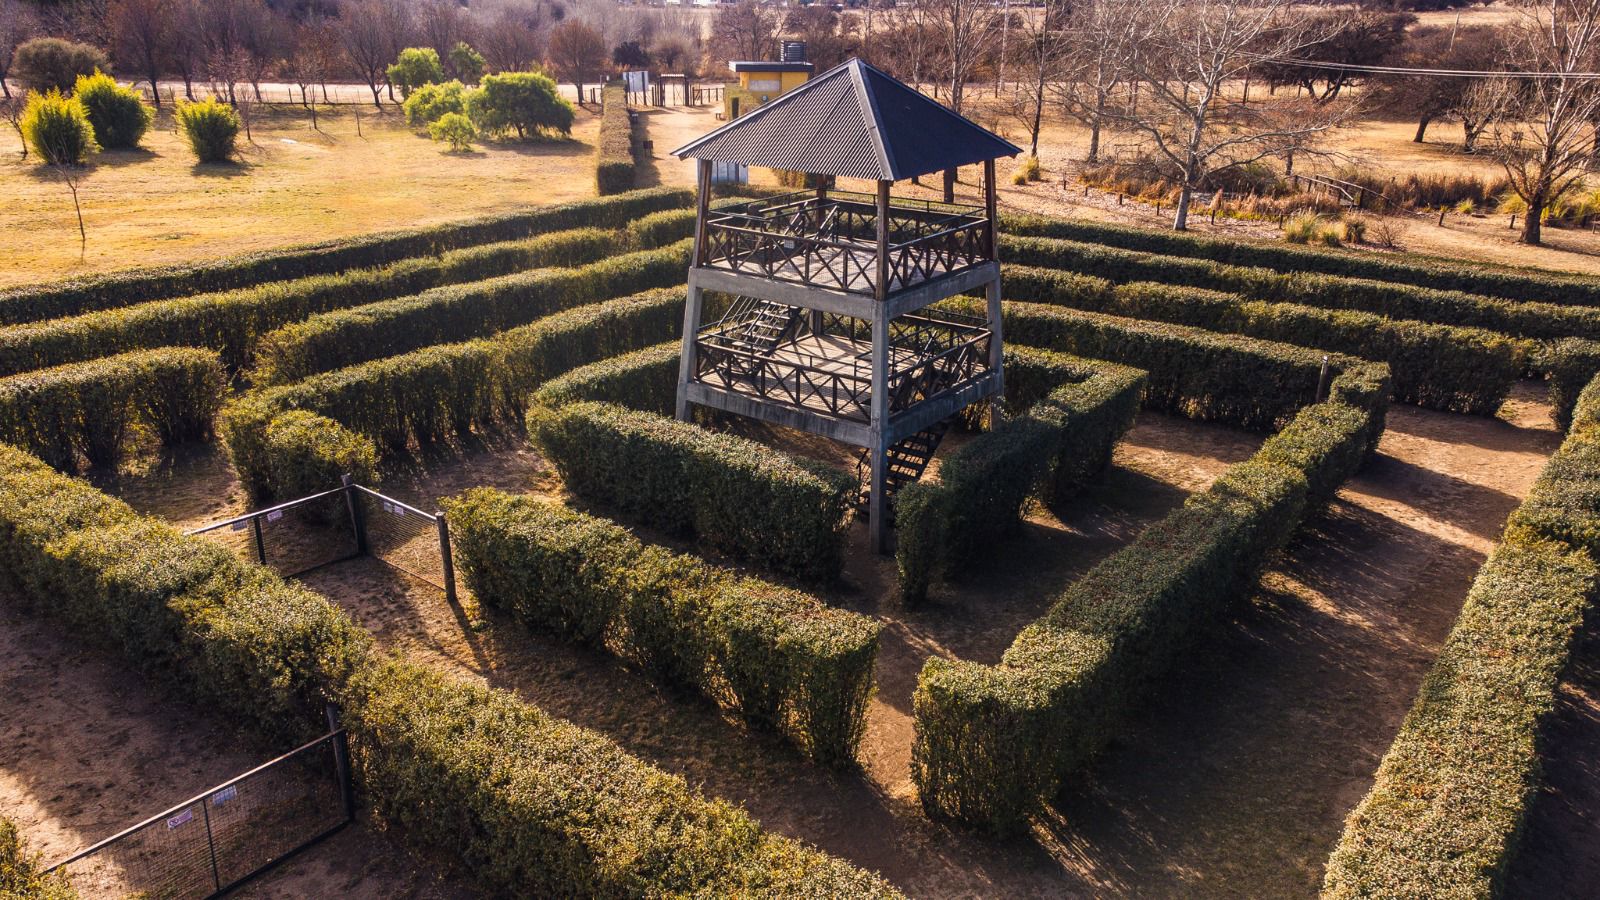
[{"x": 761, "y": 81}]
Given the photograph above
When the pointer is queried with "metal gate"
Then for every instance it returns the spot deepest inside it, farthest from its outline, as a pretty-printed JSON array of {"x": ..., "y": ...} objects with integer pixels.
[
  {"x": 339, "y": 524},
  {"x": 216, "y": 841}
]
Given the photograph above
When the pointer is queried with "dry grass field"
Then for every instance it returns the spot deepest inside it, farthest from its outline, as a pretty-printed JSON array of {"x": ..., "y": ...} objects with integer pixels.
[{"x": 292, "y": 185}]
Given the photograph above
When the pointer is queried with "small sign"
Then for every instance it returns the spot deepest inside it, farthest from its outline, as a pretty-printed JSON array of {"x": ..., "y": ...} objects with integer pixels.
[
  {"x": 240, "y": 526},
  {"x": 181, "y": 819},
  {"x": 224, "y": 795},
  {"x": 275, "y": 515}
]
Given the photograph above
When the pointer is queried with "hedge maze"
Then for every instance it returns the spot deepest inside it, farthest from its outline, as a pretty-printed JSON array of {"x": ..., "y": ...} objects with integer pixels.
[{"x": 562, "y": 324}]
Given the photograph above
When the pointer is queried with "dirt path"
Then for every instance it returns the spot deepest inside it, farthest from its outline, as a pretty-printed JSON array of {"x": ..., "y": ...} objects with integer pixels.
[
  {"x": 86, "y": 751},
  {"x": 1234, "y": 781}
]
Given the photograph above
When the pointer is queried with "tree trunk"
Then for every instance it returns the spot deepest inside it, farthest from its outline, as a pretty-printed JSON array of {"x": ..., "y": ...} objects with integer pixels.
[
  {"x": 5, "y": 88},
  {"x": 1180, "y": 219},
  {"x": 155, "y": 89},
  {"x": 1533, "y": 221},
  {"x": 188, "y": 87},
  {"x": 377, "y": 94},
  {"x": 1422, "y": 129},
  {"x": 1094, "y": 142}
]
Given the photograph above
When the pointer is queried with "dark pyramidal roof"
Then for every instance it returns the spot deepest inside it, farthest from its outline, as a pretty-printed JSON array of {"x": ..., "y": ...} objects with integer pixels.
[{"x": 853, "y": 121}]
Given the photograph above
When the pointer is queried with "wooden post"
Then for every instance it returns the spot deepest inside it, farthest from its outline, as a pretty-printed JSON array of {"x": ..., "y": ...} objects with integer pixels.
[
  {"x": 703, "y": 206},
  {"x": 949, "y": 185},
  {"x": 878, "y": 504},
  {"x": 883, "y": 241},
  {"x": 696, "y": 298},
  {"x": 991, "y": 208}
]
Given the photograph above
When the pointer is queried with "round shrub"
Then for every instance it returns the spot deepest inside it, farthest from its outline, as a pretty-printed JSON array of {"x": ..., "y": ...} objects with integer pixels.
[
  {"x": 57, "y": 128},
  {"x": 431, "y": 101},
  {"x": 468, "y": 63},
  {"x": 416, "y": 67},
  {"x": 117, "y": 114},
  {"x": 523, "y": 102},
  {"x": 43, "y": 64},
  {"x": 455, "y": 129},
  {"x": 211, "y": 128}
]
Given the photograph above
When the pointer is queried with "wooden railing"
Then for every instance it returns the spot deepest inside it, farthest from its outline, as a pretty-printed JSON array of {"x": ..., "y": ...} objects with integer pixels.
[{"x": 832, "y": 241}]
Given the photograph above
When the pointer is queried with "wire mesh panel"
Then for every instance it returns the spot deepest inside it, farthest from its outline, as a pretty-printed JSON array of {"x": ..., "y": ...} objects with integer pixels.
[
  {"x": 292, "y": 537},
  {"x": 226, "y": 835},
  {"x": 403, "y": 536}
]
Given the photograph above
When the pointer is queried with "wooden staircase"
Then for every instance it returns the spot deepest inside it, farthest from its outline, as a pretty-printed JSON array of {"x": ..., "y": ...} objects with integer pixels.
[{"x": 907, "y": 461}]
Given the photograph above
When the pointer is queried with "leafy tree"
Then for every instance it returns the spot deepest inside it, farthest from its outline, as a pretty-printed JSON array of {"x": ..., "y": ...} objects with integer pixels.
[
  {"x": 43, "y": 64},
  {"x": 455, "y": 129},
  {"x": 431, "y": 101},
  {"x": 629, "y": 55},
  {"x": 118, "y": 115},
  {"x": 211, "y": 127},
  {"x": 416, "y": 67},
  {"x": 524, "y": 102},
  {"x": 468, "y": 63},
  {"x": 57, "y": 128}
]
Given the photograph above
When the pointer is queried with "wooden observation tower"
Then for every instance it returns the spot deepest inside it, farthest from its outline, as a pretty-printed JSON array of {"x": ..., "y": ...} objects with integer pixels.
[{"x": 830, "y": 329}]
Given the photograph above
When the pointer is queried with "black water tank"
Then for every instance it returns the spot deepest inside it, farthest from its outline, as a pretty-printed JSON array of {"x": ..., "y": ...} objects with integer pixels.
[{"x": 794, "y": 52}]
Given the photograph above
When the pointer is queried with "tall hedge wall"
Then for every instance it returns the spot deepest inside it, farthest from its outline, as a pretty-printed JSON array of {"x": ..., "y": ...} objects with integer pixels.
[
  {"x": 739, "y": 496},
  {"x": 232, "y": 321},
  {"x": 1442, "y": 367},
  {"x": 429, "y": 395},
  {"x": 780, "y": 658},
  {"x": 87, "y": 412},
  {"x": 1063, "y": 439},
  {"x": 23, "y": 875},
  {"x": 524, "y": 803},
  {"x": 1194, "y": 373},
  {"x": 1444, "y": 815},
  {"x": 333, "y": 340},
  {"x": 992, "y": 742},
  {"x": 1526, "y": 284},
  {"x": 614, "y": 164},
  {"x": 1386, "y": 298},
  {"x": 644, "y": 380},
  {"x": 34, "y": 303}
]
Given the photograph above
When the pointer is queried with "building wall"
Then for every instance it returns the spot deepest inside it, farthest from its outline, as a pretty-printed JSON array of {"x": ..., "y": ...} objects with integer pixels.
[{"x": 756, "y": 88}]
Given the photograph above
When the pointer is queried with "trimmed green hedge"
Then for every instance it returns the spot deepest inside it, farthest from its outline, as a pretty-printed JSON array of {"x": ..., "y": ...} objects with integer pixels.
[
  {"x": 86, "y": 412},
  {"x": 232, "y": 322},
  {"x": 614, "y": 166},
  {"x": 427, "y": 396},
  {"x": 346, "y": 337},
  {"x": 523, "y": 802},
  {"x": 644, "y": 380},
  {"x": 1194, "y": 373},
  {"x": 1524, "y": 285},
  {"x": 780, "y": 658},
  {"x": 300, "y": 453},
  {"x": 666, "y": 227},
  {"x": 1445, "y": 813},
  {"x": 1064, "y": 439},
  {"x": 34, "y": 303},
  {"x": 23, "y": 875},
  {"x": 742, "y": 497},
  {"x": 993, "y": 741},
  {"x": 1395, "y": 300},
  {"x": 1436, "y": 366}
]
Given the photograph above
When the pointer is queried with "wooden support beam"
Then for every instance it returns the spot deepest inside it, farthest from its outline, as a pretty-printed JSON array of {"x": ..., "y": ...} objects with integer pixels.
[
  {"x": 949, "y": 185},
  {"x": 883, "y": 242},
  {"x": 991, "y": 208},
  {"x": 686, "y": 361},
  {"x": 878, "y": 504},
  {"x": 703, "y": 208}
]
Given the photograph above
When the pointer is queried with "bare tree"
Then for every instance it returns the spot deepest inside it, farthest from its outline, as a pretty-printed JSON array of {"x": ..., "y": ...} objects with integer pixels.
[
  {"x": 143, "y": 32},
  {"x": 746, "y": 30},
  {"x": 1432, "y": 98},
  {"x": 441, "y": 24},
  {"x": 17, "y": 24},
  {"x": 1039, "y": 49},
  {"x": 578, "y": 52},
  {"x": 1545, "y": 137},
  {"x": 1364, "y": 38},
  {"x": 969, "y": 30},
  {"x": 906, "y": 43},
  {"x": 372, "y": 33},
  {"x": 11, "y": 110},
  {"x": 1189, "y": 51},
  {"x": 510, "y": 33},
  {"x": 1098, "y": 59}
]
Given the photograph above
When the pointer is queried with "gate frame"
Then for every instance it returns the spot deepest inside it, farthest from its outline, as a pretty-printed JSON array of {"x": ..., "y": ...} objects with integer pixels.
[{"x": 340, "y": 739}]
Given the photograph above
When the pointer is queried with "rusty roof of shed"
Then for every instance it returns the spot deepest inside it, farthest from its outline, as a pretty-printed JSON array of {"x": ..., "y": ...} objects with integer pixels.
[{"x": 853, "y": 121}]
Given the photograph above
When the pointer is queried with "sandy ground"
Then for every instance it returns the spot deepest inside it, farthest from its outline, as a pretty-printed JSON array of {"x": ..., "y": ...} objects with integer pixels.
[
  {"x": 86, "y": 751},
  {"x": 1234, "y": 781}
]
